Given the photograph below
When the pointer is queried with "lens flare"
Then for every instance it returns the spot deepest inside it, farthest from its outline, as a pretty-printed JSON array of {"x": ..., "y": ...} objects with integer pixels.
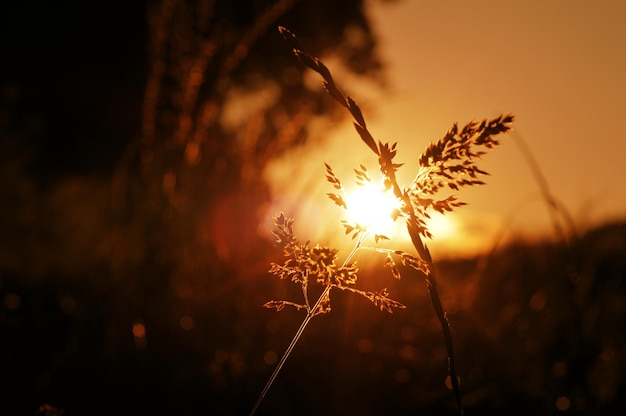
[{"x": 371, "y": 206}]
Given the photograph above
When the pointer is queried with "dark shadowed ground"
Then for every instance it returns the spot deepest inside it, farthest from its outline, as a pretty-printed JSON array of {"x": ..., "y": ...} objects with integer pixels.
[{"x": 530, "y": 335}]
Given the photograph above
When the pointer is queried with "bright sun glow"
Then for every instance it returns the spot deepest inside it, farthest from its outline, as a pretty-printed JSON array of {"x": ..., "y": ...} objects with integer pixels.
[
  {"x": 441, "y": 226},
  {"x": 372, "y": 207}
]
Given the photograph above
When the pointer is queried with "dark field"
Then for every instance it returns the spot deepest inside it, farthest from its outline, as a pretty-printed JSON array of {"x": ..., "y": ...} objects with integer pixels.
[{"x": 536, "y": 327}]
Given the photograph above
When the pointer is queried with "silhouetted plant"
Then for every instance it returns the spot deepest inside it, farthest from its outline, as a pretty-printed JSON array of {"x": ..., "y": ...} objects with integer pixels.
[{"x": 445, "y": 166}]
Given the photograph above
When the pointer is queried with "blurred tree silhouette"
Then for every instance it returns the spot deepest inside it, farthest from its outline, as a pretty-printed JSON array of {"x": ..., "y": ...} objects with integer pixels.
[
  {"x": 216, "y": 110},
  {"x": 222, "y": 97},
  {"x": 136, "y": 135}
]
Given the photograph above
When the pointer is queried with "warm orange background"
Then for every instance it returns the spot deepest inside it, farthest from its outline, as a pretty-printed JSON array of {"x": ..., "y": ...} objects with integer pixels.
[{"x": 559, "y": 67}]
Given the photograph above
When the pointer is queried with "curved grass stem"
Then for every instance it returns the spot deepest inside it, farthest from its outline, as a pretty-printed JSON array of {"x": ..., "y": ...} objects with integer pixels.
[
  {"x": 311, "y": 312},
  {"x": 447, "y": 336},
  {"x": 448, "y": 163}
]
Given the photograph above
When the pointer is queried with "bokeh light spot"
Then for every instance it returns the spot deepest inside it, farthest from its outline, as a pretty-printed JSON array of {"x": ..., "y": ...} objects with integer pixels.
[
  {"x": 562, "y": 403},
  {"x": 270, "y": 357},
  {"x": 12, "y": 301},
  {"x": 365, "y": 345},
  {"x": 139, "y": 333},
  {"x": 537, "y": 301},
  {"x": 186, "y": 322},
  {"x": 608, "y": 354},
  {"x": 68, "y": 304},
  {"x": 406, "y": 352}
]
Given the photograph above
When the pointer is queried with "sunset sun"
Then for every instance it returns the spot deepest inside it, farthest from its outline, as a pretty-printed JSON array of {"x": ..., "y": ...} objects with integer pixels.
[{"x": 371, "y": 206}]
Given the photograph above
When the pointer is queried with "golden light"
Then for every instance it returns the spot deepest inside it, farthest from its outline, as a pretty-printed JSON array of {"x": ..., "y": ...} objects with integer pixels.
[
  {"x": 371, "y": 206},
  {"x": 441, "y": 226}
]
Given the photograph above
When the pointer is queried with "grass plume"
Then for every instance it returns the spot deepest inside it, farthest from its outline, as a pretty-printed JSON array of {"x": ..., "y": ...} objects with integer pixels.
[{"x": 445, "y": 166}]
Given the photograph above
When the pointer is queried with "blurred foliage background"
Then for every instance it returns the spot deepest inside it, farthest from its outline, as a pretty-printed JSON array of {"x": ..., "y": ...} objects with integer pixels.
[{"x": 132, "y": 267}]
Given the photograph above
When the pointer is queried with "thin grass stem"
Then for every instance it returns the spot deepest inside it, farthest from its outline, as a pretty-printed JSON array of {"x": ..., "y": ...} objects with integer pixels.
[
  {"x": 310, "y": 314},
  {"x": 442, "y": 170},
  {"x": 555, "y": 208},
  {"x": 289, "y": 349}
]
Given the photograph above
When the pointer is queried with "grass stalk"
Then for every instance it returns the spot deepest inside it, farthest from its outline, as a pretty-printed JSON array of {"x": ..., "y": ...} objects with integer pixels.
[
  {"x": 447, "y": 164},
  {"x": 555, "y": 208},
  {"x": 311, "y": 312}
]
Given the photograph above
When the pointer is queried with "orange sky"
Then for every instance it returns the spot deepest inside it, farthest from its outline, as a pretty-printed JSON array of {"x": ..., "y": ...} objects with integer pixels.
[{"x": 558, "y": 66}]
